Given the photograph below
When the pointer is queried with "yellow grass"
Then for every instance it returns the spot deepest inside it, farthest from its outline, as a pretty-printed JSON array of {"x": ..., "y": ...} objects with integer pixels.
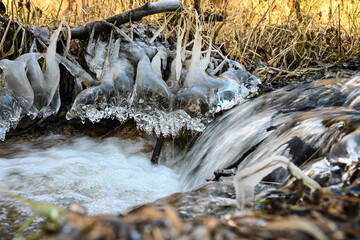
[
  {"x": 289, "y": 34},
  {"x": 286, "y": 34}
]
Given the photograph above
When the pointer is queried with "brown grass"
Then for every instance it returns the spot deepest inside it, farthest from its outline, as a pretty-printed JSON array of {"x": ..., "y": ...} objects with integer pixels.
[
  {"x": 292, "y": 34},
  {"x": 283, "y": 34}
]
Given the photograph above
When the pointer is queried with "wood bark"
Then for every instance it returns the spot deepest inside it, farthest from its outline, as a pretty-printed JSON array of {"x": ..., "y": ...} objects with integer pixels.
[{"x": 83, "y": 31}]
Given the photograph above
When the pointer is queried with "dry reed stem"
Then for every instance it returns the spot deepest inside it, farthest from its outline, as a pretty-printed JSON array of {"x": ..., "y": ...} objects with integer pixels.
[{"x": 277, "y": 33}]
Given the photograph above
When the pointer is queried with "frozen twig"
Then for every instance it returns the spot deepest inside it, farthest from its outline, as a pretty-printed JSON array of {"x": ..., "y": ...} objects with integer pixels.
[{"x": 246, "y": 180}]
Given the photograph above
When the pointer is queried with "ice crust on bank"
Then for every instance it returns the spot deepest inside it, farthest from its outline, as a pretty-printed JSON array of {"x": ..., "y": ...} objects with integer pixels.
[
  {"x": 10, "y": 112},
  {"x": 185, "y": 99},
  {"x": 26, "y": 90},
  {"x": 109, "y": 99},
  {"x": 132, "y": 80}
]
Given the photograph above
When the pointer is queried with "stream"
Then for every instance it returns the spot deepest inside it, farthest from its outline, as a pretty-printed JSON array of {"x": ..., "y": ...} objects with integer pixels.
[
  {"x": 109, "y": 175},
  {"x": 315, "y": 125},
  {"x": 105, "y": 176}
]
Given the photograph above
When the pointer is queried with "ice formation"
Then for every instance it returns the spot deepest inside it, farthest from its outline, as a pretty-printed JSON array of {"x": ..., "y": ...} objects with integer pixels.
[
  {"x": 16, "y": 82},
  {"x": 26, "y": 90},
  {"x": 246, "y": 179},
  {"x": 110, "y": 99},
  {"x": 10, "y": 112},
  {"x": 36, "y": 79},
  {"x": 132, "y": 80},
  {"x": 52, "y": 78},
  {"x": 133, "y": 85}
]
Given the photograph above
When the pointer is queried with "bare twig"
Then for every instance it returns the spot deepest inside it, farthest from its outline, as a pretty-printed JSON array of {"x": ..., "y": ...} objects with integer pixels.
[{"x": 83, "y": 32}]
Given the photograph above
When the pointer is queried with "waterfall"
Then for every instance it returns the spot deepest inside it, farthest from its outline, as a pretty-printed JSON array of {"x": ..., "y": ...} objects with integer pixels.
[{"x": 296, "y": 122}]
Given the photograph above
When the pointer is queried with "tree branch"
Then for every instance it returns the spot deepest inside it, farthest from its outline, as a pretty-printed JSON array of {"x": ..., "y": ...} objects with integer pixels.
[{"x": 83, "y": 32}]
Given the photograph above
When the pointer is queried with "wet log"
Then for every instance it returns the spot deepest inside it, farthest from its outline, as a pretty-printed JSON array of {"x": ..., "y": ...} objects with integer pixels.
[{"x": 83, "y": 32}]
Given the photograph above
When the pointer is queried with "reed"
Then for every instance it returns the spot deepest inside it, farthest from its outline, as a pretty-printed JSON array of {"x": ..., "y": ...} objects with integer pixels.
[
  {"x": 282, "y": 34},
  {"x": 292, "y": 34}
]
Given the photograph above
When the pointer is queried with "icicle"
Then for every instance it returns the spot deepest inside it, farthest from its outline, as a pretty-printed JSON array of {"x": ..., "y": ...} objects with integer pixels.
[
  {"x": 96, "y": 54},
  {"x": 52, "y": 74},
  {"x": 195, "y": 75},
  {"x": 158, "y": 63},
  {"x": 150, "y": 89},
  {"x": 17, "y": 82},
  {"x": 77, "y": 71},
  {"x": 54, "y": 106},
  {"x": 178, "y": 62},
  {"x": 176, "y": 65},
  {"x": 10, "y": 112},
  {"x": 37, "y": 81},
  {"x": 204, "y": 63}
]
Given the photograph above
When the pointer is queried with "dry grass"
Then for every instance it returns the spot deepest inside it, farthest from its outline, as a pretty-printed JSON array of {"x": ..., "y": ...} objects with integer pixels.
[
  {"x": 292, "y": 34},
  {"x": 283, "y": 34}
]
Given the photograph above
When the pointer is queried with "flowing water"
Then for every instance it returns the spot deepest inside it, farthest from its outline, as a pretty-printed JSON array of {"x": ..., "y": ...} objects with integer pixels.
[
  {"x": 105, "y": 176},
  {"x": 299, "y": 122},
  {"x": 319, "y": 120}
]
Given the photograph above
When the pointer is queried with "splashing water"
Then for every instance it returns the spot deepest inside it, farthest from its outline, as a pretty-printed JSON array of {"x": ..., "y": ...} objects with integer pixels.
[
  {"x": 105, "y": 176},
  {"x": 297, "y": 122}
]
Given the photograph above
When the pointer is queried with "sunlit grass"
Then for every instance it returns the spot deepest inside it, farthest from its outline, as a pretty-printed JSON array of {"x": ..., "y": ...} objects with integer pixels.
[
  {"x": 291, "y": 34},
  {"x": 278, "y": 33}
]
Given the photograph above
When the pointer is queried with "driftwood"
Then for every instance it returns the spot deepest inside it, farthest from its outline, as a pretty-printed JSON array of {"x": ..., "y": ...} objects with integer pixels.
[{"x": 83, "y": 32}]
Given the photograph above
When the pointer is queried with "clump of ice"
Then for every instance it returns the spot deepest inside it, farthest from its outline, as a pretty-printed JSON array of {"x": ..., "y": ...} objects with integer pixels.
[
  {"x": 111, "y": 98},
  {"x": 187, "y": 100},
  {"x": 10, "y": 112},
  {"x": 37, "y": 81},
  {"x": 150, "y": 89},
  {"x": 26, "y": 89},
  {"x": 167, "y": 123},
  {"x": 16, "y": 82},
  {"x": 219, "y": 93}
]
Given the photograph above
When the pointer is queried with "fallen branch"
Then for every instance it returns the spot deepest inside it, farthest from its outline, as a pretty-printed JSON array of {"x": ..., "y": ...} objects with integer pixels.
[{"x": 83, "y": 32}]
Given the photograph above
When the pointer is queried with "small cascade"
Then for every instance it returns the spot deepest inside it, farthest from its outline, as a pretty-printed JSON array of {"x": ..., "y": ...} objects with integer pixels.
[{"x": 297, "y": 122}]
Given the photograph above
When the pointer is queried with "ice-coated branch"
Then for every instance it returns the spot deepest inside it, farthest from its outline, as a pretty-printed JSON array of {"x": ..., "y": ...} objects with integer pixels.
[
  {"x": 84, "y": 31},
  {"x": 246, "y": 179}
]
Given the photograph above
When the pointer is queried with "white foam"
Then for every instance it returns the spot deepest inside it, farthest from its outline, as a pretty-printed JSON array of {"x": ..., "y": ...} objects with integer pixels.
[{"x": 105, "y": 176}]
